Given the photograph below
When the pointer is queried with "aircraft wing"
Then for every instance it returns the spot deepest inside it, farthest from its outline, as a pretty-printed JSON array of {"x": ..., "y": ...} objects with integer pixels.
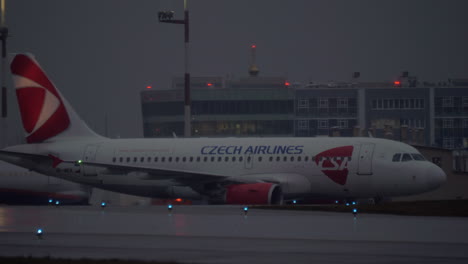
[{"x": 181, "y": 176}]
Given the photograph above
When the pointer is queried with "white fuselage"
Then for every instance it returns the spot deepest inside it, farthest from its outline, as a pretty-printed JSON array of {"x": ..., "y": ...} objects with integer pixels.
[{"x": 304, "y": 167}]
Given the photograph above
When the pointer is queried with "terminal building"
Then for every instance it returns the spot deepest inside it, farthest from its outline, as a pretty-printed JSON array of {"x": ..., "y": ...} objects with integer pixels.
[{"x": 426, "y": 114}]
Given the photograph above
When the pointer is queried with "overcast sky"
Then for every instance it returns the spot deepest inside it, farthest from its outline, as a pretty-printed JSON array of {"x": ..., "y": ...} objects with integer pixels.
[{"x": 101, "y": 54}]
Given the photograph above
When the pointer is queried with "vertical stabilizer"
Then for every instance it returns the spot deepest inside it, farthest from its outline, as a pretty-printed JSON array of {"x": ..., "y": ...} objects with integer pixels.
[{"x": 46, "y": 115}]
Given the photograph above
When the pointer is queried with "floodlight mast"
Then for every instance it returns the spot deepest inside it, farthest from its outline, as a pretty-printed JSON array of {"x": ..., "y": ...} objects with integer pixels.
[{"x": 167, "y": 17}]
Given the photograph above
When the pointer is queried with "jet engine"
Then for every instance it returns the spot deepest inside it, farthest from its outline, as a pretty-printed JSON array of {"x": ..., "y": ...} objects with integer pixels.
[{"x": 254, "y": 193}]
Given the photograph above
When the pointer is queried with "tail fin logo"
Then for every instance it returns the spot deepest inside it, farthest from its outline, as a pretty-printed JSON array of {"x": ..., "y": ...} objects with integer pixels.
[
  {"x": 42, "y": 110},
  {"x": 334, "y": 163}
]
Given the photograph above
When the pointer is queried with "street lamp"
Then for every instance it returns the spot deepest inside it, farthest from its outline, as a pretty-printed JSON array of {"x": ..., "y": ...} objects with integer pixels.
[{"x": 168, "y": 17}]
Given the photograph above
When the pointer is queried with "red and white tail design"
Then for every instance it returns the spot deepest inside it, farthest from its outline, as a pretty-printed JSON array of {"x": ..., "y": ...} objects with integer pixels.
[{"x": 45, "y": 113}]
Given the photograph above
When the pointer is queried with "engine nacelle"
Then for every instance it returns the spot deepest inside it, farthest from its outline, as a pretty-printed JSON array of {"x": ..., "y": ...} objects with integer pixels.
[{"x": 254, "y": 193}]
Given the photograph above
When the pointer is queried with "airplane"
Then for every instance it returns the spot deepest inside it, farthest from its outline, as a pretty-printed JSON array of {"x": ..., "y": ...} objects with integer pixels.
[
  {"x": 217, "y": 170},
  {"x": 19, "y": 186}
]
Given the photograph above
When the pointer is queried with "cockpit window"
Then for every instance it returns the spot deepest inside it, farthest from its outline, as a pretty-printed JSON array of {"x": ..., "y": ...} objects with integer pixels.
[
  {"x": 418, "y": 157},
  {"x": 406, "y": 157},
  {"x": 396, "y": 157}
]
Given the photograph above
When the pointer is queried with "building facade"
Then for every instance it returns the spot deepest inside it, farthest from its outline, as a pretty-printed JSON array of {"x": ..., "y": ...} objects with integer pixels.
[{"x": 424, "y": 114}]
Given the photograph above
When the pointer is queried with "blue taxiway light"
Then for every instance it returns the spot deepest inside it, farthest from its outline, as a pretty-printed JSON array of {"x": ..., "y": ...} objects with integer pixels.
[
  {"x": 39, "y": 231},
  {"x": 354, "y": 203},
  {"x": 246, "y": 209},
  {"x": 294, "y": 201},
  {"x": 103, "y": 204},
  {"x": 51, "y": 201},
  {"x": 169, "y": 206},
  {"x": 347, "y": 204},
  {"x": 336, "y": 201},
  {"x": 57, "y": 202},
  {"x": 354, "y": 210}
]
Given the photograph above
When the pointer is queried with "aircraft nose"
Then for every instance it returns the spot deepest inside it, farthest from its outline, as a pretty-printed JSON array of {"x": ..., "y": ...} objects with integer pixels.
[{"x": 435, "y": 176}]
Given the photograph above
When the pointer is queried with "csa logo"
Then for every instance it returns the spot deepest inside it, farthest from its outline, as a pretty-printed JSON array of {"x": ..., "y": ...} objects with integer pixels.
[
  {"x": 334, "y": 163},
  {"x": 42, "y": 110}
]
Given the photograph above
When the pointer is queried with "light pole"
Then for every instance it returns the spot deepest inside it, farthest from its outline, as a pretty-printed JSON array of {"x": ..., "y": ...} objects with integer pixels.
[{"x": 167, "y": 17}]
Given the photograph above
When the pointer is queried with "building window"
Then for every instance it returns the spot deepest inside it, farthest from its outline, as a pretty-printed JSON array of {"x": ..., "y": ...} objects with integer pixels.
[
  {"x": 342, "y": 102},
  {"x": 303, "y": 103},
  {"x": 303, "y": 124},
  {"x": 343, "y": 124},
  {"x": 447, "y": 101},
  {"x": 448, "y": 143},
  {"x": 323, "y": 102},
  {"x": 323, "y": 124},
  {"x": 465, "y": 101},
  {"x": 465, "y": 123},
  {"x": 447, "y": 123}
]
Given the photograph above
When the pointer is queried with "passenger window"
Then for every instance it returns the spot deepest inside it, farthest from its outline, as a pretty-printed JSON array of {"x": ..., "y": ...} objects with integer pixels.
[
  {"x": 306, "y": 158},
  {"x": 220, "y": 159},
  {"x": 142, "y": 159},
  {"x": 177, "y": 159},
  {"x": 191, "y": 159},
  {"x": 155, "y": 159},
  {"x": 285, "y": 158},
  {"x": 205, "y": 159},
  {"x": 128, "y": 159},
  {"x": 260, "y": 159},
  {"x": 121, "y": 159},
  {"x": 113, "y": 159},
  {"x": 249, "y": 159},
  {"x": 233, "y": 158},
  {"x": 169, "y": 159},
  {"x": 134, "y": 159},
  {"x": 163, "y": 159},
  {"x": 184, "y": 159},
  {"x": 226, "y": 159},
  {"x": 299, "y": 158},
  {"x": 212, "y": 159},
  {"x": 271, "y": 159},
  {"x": 149, "y": 159},
  {"x": 241, "y": 159},
  {"x": 278, "y": 158},
  {"x": 396, "y": 157},
  {"x": 406, "y": 157}
]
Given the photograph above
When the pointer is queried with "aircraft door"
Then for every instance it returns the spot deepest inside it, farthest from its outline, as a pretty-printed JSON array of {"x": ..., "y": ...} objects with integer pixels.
[
  {"x": 90, "y": 156},
  {"x": 365, "y": 159},
  {"x": 248, "y": 161}
]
